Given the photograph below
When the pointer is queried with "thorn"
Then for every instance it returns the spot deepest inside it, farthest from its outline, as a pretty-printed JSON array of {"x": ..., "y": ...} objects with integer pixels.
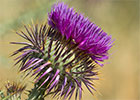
[{"x": 32, "y": 21}]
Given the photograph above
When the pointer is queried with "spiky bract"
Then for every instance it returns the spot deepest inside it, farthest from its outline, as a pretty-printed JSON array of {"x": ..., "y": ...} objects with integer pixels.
[
  {"x": 63, "y": 54},
  {"x": 57, "y": 63},
  {"x": 14, "y": 88},
  {"x": 13, "y": 91}
]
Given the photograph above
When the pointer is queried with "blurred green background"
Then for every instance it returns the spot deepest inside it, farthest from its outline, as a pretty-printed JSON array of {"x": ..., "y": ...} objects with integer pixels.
[{"x": 119, "y": 18}]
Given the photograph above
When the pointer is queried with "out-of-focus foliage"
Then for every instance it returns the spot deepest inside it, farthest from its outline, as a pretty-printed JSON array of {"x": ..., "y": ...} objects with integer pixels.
[{"x": 22, "y": 11}]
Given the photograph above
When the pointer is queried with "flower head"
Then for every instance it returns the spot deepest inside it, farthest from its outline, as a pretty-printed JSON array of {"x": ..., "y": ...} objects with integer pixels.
[
  {"x": 62, "y": 55},
  {"x": 88, "y": 36}
]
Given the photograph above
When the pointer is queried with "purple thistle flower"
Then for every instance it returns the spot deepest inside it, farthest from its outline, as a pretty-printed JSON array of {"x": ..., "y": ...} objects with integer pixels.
[
  {"x": 88, "y": 36},
  {"x": 62, "y": 55}
]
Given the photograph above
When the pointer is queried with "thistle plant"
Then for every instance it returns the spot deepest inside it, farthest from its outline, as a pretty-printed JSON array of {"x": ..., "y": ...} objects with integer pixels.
[
  {"x": 13, "y": 91},
  {"x": 62, "y": 54}
]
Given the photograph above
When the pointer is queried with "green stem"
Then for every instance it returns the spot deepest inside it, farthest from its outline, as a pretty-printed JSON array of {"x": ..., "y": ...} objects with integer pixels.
[{"x": 36, "y": 93}]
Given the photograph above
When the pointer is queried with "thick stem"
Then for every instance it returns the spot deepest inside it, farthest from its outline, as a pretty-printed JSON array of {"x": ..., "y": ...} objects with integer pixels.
[{"x": 36, "y": 93}]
